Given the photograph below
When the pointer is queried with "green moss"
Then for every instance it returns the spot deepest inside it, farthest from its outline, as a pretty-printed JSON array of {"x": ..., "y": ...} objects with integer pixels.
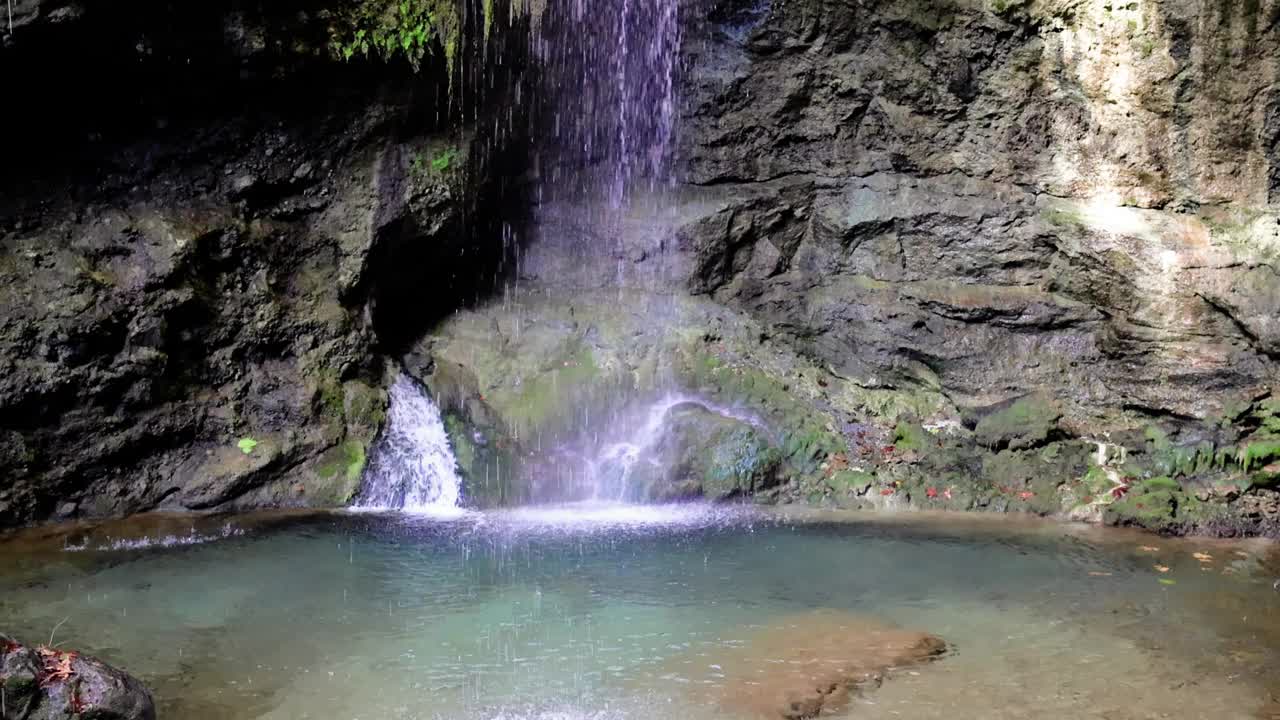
[
  {"x": 910, "y": 436},
  {"x": 364, "y": 406},
  {"x": 1157, "y": 439},
  {"x": 329, "y": 396},
  {"x": 1257, "y": 453},
  {"x": 891, "y": 405},
  {"x": 851, "y": 480},
  {"x": 545, "y": 398},
  {"x": 346, "y": 461},
  {"x": 1026, "y": 422},
  {"x": 806, "y": 437},
  {"x": 1065, "y": 218},
  {"x": 1267, "y": 415},
  {"x": 1155, "y": 510},
  {"x": 1160, "y": 483},
  {"x": 464, "y": 450}
]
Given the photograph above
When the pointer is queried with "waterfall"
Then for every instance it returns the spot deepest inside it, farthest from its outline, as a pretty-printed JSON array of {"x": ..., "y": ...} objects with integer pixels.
[
  {"x": 412, "y": 466},
  {"x": 609, "y": 70}
]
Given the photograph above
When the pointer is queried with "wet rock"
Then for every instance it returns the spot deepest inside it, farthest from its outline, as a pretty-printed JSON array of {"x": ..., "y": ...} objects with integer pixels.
[
  {"x": 225, "y": 260},
  {"x": 45, "y": 684},
  {"x": 708, "y": 454},
  {"x": 807, "y": 665}
]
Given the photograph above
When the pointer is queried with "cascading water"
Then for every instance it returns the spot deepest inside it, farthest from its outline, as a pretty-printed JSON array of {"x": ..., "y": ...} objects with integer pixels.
[{"x": 412, "y": 467}]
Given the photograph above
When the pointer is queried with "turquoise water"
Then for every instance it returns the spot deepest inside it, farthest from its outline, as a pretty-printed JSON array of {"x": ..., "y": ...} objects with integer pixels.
[{"x": 629, "y": 612}]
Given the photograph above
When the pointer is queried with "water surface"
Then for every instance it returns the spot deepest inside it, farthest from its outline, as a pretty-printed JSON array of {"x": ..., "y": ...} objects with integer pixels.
[{"x": 627, "y": 612}]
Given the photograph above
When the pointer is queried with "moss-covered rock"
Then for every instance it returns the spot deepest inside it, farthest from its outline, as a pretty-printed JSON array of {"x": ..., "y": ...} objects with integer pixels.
[
  {"x": 701, "y": 453},
  {"x": 1026, "y": 422}
]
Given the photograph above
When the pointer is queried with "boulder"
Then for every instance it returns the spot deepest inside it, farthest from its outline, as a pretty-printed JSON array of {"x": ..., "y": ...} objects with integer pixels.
[
  {"x": 704, "y": 453},
  {"x": 45, "y": 683}
]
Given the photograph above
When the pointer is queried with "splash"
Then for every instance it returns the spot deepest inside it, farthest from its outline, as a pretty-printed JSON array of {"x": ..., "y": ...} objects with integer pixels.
[{"x": 412, "y": 468}]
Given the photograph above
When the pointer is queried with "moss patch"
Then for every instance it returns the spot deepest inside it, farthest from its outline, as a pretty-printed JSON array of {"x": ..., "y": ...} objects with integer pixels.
[
  {"x": 1027, "y": 422},
  {"x": 345, "y": 462}
]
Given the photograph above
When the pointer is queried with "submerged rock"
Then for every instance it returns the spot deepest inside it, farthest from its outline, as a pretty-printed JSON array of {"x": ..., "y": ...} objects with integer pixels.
[
  {"x": 46, "y": 683},
  {"x": 810, "y": 664}
]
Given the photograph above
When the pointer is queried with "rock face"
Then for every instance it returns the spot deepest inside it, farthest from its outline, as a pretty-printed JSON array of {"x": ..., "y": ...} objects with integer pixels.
[
  {"x": 994, "y": 198},
  {"x": 953, "y": 206},
  {"x": 44, "y": 683},
  {"x": 200, "y": 286},
  {"x": 970, "y": 254}
]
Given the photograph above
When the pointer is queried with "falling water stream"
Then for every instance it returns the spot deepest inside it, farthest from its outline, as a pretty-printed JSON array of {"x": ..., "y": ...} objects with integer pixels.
[{"x": 412, "y": 467}]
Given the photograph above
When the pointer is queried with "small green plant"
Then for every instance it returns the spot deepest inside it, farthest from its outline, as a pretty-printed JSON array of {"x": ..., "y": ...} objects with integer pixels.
[
  {"x": 408, "y": 27},
  {"x": 246, "y": 445},
  {"x": 440, "y": 163}
]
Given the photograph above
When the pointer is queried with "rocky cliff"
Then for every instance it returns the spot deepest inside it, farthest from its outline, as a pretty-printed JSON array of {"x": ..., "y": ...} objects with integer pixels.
[
  {"x": 1000, "y": 254},
  {"x": 971, "y": 255},
  {"x": 969, "y": 203},
  {"x": 211, "y": 225}
]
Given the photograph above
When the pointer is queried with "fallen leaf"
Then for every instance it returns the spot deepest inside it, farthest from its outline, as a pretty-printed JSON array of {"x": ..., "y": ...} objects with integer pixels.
[
  {"x": 1162, "y": 568},
  {"x": 1166, "y": 581},
  {"x": 1148, "y": 548},
  {"x": 1242, "y": 553},
  {"x": 947, "y": 493},
  {"x": 1026, "y": 494},
  {"x": 1202, "y": 557},
  {"x": 931, "y": 492},
  {"x": 887, "y": 491}
]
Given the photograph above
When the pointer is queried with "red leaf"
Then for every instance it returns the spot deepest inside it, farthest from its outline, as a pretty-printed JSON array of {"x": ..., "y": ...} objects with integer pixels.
[
  {"x": 931, "y": 492},
  {"x": 887, "y": 491},
  {"x": 1026, "y": 494}
]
